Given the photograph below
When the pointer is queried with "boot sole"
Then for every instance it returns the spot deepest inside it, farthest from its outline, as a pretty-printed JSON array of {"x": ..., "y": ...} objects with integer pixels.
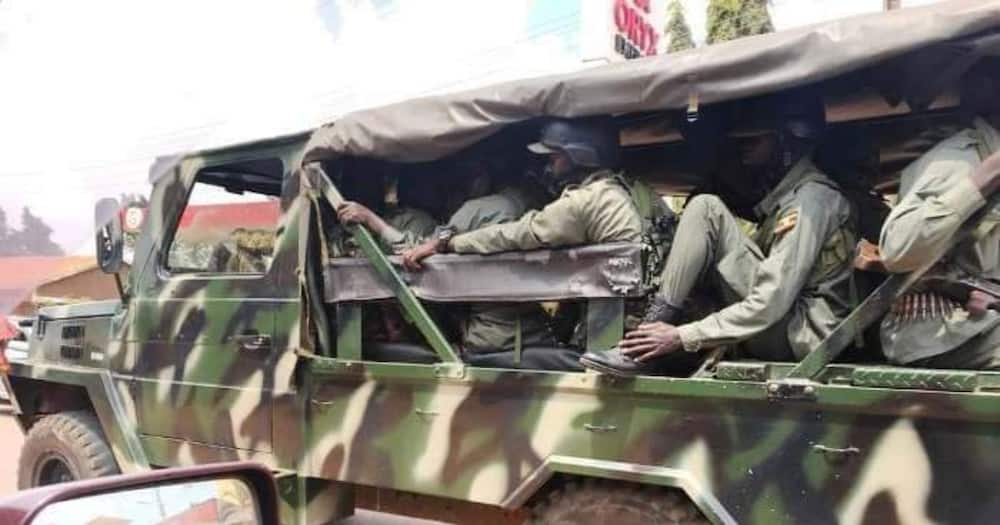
[{"x": 606, "y": 370}]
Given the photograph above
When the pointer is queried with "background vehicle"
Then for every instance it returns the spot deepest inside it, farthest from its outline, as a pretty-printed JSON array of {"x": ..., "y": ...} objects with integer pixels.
[{"x": 199, "y": 365}]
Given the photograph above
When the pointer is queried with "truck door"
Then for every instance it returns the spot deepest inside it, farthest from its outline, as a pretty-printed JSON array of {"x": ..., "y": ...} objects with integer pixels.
[{"x": 204, "y": 323}]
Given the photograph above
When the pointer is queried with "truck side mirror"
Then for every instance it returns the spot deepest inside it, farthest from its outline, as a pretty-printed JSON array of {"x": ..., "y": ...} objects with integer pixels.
[
  {"x": 108, "y": 235},
  {"x": 226, "y": 493}
]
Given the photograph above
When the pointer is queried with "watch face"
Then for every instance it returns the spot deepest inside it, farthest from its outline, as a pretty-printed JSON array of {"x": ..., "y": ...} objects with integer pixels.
[{"x": 446, "y": 234}]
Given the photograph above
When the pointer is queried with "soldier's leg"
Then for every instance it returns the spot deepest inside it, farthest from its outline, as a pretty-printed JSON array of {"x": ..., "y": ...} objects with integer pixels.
[
  {"x": 707, "y": 234},
  {"x": 979, "y": 353}
]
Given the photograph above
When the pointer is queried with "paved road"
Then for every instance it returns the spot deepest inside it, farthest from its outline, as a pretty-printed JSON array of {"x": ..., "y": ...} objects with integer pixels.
[{"x": 10, "y": 445}]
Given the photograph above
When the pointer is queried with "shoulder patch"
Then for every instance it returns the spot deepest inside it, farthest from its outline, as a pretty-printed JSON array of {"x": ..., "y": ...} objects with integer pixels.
[{"x": 787, "y": 222}]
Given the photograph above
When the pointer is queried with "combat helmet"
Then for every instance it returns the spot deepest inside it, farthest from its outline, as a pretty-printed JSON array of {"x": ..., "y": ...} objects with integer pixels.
[{"x": 590, "y": 143}]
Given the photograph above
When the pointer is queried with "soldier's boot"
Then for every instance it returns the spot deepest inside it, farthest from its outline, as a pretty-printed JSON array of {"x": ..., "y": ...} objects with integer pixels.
[{"x": 614, "y": 362}]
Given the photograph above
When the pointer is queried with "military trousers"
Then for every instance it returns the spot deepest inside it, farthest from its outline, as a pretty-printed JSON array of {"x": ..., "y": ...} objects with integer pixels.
[
  {"x": 710, "y": 251},
  {"x": 982, "y": 352},
  {"x": 494, "y": 328}
]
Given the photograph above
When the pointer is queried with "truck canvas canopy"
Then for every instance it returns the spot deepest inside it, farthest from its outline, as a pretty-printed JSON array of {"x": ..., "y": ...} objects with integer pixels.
[{"x": 909, "y": 43}]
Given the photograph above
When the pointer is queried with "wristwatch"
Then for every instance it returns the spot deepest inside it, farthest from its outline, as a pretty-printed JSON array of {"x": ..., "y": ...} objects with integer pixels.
[{"x": 444, "y": 235}]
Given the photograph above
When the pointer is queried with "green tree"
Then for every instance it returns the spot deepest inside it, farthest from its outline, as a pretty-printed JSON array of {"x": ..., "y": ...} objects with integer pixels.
[
  {"x": 732, "y": 19},
  {"x": 34, "y": 238},
  {"x": 678, "y": 32}
]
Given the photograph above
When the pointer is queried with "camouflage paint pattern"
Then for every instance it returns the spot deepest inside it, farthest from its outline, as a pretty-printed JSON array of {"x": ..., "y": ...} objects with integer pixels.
[{"x": 181, "y": 381}]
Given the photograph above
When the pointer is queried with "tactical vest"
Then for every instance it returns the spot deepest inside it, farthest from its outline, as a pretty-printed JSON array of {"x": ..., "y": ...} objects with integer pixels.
[
  {"x": 838, "y": 249},
  {"x": 659, "y": 224}
]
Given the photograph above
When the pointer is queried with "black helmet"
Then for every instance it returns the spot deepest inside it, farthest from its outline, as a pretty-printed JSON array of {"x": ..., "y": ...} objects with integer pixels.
[{"x": 589, "y": 144}]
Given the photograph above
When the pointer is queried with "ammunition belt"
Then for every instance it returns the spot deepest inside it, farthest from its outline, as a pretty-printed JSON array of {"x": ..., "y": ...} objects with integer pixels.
[{"x": 922, "y": 306}]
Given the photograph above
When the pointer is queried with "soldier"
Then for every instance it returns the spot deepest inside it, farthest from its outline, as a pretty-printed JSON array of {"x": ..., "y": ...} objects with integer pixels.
[
  {"x": 786, "y": 290},
  {"x": 594, "y": 205},
  {"x": 399, "y": 217},
  {"x": 938, "y": 192},
  {"x": 406, "y": 217},
  {"x": 486, "y": 328}
]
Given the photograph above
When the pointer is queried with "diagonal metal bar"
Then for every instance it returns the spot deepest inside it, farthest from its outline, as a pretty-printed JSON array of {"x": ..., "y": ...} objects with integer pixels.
[
  {"x": 869, "y": 311},
  {"x": 370, "y": 248}
]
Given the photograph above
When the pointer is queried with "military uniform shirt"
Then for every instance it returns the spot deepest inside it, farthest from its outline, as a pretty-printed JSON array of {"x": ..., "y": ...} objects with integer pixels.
[
  {"x": 488, "y": 327},
  {"x": 503, "y": 206},
  {"x": 937, "y": 197},
  {"x": 408, "y": 226},
  {"x": 802, "y": 268},
  {"x": 598, "y": 210}
]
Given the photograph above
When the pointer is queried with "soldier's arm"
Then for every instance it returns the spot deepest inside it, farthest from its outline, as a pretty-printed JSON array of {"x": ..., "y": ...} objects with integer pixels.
[
  {"x": 780, "y": 277},
  {"x": 942, "y": 198},
  {"x": 561, "y": 223},
  {"x": 987, "y": 176}
]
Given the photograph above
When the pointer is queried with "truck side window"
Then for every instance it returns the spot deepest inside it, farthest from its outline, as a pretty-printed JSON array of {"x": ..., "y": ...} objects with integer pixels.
[{"x": 228, "y": 224}]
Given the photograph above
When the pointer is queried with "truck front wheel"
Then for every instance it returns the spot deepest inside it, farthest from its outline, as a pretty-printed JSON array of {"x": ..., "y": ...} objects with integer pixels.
[
  {"x": 64, "y": 447},
  {"x": 596, "y": 502}
]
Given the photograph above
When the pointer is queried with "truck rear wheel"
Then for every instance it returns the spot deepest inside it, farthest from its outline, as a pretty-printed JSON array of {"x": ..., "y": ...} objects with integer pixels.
[
  {"x": 595, "y": 502},
  {"x": 64, "y": 447}
]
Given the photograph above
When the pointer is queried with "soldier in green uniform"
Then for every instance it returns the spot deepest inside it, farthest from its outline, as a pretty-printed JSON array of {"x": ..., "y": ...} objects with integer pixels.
[
  {"x": 406, "y": 219},
  {"x": 594, "y": 205},
  {"x": 485, "y": 328},
  {"x": 938, "y": 192},
  {"x": 399, "y": 214},
  {"x": 786, "y": 289}
]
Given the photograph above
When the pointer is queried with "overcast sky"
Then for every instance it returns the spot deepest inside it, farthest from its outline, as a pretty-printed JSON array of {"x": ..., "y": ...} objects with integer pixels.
[{"x": 93, "y": 90}]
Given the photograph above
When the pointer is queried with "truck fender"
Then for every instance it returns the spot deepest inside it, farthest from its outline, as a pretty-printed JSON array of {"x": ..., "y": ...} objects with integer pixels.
[
  {"x": 695, "y": 489},
  {"x": 109, "y": 406}
]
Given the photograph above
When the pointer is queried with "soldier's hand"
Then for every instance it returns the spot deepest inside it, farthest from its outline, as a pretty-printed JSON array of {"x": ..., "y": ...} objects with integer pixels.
[
  {"x": 651, "y": 340},
  {"x": 412, "y": 258},
  {"x": 987, "y": 176},
  {"x": 354, "y": 213},
  {"x": 979, "y": 303}
]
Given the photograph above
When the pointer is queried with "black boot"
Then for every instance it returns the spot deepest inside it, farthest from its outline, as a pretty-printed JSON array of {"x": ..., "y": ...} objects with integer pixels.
[
  {"x": 614, "y": 362},
  {"x": 659, "y": 309}
]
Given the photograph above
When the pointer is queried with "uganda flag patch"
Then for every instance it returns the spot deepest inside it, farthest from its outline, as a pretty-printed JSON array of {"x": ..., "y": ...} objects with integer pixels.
[{"x": 787, "y": 222}]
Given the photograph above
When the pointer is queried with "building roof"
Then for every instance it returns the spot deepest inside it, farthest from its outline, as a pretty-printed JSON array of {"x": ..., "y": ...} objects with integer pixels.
[
  {"x": 262, "y": 214},
  {"x": 27, "y": 272}
]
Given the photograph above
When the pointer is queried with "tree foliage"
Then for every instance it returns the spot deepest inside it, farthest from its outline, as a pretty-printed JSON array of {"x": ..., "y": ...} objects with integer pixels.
[
  {"x": 732, "y": 19},
  {"x": 34, "y": 237},
  {"x": 677, "y": 31}
]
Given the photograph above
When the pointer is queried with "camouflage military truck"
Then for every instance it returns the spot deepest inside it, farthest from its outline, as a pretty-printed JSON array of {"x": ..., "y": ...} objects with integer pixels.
[{"x": 244, "y": 328}]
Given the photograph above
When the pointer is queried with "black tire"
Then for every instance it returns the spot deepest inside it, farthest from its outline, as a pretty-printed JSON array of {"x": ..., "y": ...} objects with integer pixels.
[
  {"x": 64, "y": 447},
  {"x": 600, "y": 502}
]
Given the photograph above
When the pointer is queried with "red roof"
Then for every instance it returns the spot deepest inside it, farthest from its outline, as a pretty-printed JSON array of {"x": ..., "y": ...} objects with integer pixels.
[
  {"x": 228, "y": 216},
  {"x": 27, "y": 272},
  {"x": 204, "y": 512},
  {"x": 20, "y": 275}
]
